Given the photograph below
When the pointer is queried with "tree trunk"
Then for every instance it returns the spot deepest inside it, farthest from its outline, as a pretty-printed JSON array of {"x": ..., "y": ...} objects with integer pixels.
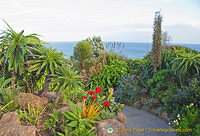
[{"x": 14, "y": 76}]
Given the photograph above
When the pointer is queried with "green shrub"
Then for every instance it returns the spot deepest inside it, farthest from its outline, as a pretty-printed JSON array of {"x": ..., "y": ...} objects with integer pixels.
[
  {"x": 190, "y": 121},
  {"x": 69, "y": 123},
  {"x": 109, "y": 75},
  {"x": 106, "y": 115},
  {"x": 56, "y": 123},
  {"x": 176, "y": 101}
]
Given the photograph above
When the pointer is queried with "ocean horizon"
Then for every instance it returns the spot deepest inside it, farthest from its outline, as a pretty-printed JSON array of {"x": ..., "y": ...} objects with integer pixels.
[{"x": 126, "y": 49}]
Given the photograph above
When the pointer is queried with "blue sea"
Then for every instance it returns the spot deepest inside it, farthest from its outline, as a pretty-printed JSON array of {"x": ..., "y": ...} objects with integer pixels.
[{"x": 126, "y": 49}]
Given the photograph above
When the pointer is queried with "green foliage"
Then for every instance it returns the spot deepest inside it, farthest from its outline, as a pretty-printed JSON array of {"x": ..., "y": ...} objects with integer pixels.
[
  {"x": 186, "y": 65},
  {"x": 97, "y": 45},
  {"x": 31, "y": 115},
  {"x": 3, "y": 107},
  {"x": 160, "y": 82},
  {"x": 7, "y": 99},
  {"x": 176, "y": 101},
  {"x": 83, "y": 53},
  {"x": 75, "y": 95},
  {"x": 104, "y": 114},
  {"x": 65, "y": 77},
  {"x": 112, "y": 56},
  {"x": 167, "y": 56},
  {"x": 65, "y": 81},
  {"x": 78, "y": 125},
  {"x": 56, "y": 123},
  {"x": 190, "y": 120},
  {"x": 4, "y": 82},
  {"x": 109, "y": 75},
  {"x": 70, "y": 123},
  {"x": 157, "y": 43}
]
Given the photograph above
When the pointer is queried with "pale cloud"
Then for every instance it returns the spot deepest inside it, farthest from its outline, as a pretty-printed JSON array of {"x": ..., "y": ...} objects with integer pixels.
[{"x": 66, "y": 20}]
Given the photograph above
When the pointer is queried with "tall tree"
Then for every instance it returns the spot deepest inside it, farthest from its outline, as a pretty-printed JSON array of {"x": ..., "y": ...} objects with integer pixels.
[
  {"x": 157, "y": 41},
  {"x": 16, "y": 47}
]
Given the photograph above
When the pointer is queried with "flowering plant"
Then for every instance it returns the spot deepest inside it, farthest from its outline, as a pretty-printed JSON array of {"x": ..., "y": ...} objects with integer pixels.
[{"x": 95, "y": 95}]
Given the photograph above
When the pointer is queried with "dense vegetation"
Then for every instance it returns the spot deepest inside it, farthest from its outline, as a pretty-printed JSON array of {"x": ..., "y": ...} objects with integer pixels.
[{"x": 92, "y": 79}]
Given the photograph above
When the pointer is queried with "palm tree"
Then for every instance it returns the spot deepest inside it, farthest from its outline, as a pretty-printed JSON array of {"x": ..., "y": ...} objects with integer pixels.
[
  {"x": 45, "y": 59},
  {"x": 65, "y": 78},
  {"x": 16, "y": 47}
]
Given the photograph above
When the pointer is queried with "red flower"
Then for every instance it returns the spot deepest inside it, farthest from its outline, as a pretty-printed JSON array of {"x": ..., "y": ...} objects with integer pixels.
[
  {"x": 98, "y": 90},
  {"x": 106, "y": 103},
  {"x": 84, "y": 97},
  {"x": 94, "y": 93},
  {"x": 94, "y": 97},
  {"x": 90, "y": 92}
]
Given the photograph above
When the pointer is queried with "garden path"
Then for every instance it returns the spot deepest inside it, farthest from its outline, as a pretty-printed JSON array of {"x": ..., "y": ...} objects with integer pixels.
[{"x": 138, "y": 120}]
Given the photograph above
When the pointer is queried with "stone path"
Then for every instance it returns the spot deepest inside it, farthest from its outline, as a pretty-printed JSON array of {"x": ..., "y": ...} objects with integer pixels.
[{"x": 141, "y": 123}]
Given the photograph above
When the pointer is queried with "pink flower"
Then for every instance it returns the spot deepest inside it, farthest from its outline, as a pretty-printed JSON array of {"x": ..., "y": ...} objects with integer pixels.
[{"x": 94, "y": 93}]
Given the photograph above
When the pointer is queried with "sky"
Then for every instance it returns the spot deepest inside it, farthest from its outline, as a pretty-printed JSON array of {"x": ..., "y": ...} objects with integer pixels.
[{"x": 113, "y": 20}]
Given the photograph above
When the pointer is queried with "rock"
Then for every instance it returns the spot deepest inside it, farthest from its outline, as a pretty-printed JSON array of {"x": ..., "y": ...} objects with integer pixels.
[
  {"x": 10, "y": 126},
  {"x": 119, "y": 128},
  {"x": 164, "y": 116},
  {"x": 23, "y": 99},
  {"x": 121, "y": 117}
]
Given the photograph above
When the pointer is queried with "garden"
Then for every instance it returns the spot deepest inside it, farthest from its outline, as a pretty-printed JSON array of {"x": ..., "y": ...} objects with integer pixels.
[{"x": 44, "y": 93}]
